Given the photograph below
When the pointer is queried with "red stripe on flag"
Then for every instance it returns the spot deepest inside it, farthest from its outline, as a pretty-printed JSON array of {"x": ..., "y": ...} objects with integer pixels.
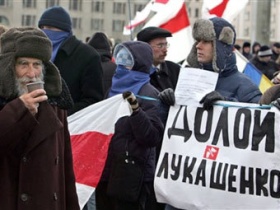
[
  {"x": 128, "y": 27},
  {"x": 161, "y": 1},
  {"x": 219, "y": 9},
  {"x": 89, "y": 156},
  {"x": 177, "y": 23}
]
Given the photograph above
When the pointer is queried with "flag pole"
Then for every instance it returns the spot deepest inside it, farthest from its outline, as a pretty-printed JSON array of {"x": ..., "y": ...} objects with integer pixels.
[{"x": 129, "y": 16}]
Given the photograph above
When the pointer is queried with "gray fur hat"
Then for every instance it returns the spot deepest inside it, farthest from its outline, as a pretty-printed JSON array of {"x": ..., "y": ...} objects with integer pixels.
[
  {"x": 223, "y": 36},
  {"x": 26, "y": 42}
]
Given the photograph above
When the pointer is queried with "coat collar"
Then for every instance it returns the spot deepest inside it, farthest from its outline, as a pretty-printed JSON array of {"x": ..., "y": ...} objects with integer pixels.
[{"x": 69, "y": 45}]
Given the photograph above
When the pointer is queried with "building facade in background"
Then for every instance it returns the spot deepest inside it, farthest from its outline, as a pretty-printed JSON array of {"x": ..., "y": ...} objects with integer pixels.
[{"x": 110, "y": 16}]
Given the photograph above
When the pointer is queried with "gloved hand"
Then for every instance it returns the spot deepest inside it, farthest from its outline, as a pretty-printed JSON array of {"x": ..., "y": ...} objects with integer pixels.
[
  {"x": 210, "y": 98},
  {"x": 276, "y": 103},
  {"x": 130, "y": 97},
  {"x": 167, "y": 96}
]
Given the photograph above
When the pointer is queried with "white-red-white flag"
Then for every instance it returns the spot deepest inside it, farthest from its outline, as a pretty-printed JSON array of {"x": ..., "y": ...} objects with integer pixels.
[
  {"x": 140, "y": 17},
  {"x": 171, "y": 15},
  {"x": 91, "y": 130},
  {"x": 227, "y": 9}
]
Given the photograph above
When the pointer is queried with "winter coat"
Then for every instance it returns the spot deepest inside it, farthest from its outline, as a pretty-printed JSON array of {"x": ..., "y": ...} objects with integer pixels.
[
  {"x": 80, "y": 67},
  {"x": 268, "y": 69},
  {"x": 35, "y": 159},
  {"x": 143, "y": 130},
  {"x": 274, "y": 55},
  {"x": 249, "y": 56},
  {"x": 271, "y": 94},
  {"x": 109, "y": 68},
  {"x": 236, "y": 86},
  {"x": 167, "y": 77}
]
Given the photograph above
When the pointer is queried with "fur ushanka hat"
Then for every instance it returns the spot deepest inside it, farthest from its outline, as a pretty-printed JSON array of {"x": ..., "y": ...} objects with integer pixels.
[
  {"x": 223, "y": 36},
  {"x": 26, "y": 42}
]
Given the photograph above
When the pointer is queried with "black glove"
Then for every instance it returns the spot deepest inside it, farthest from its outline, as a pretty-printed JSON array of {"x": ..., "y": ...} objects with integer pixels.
[
  {"x": 276, "y": 103},
  {"x": 210, "y": 98},
  {"x": 167, "y": 96},
  {"x": 130, "y": 97}
]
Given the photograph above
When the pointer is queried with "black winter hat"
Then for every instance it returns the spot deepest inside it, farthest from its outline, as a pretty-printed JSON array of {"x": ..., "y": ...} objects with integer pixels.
[
  {"x": 57, "y": 17},
  {"x": 100, "y": 41},
  {"x": 246, "y": 44},
  {"x": 276, "y": 44},
  {"x": 26, "y": 42},
  {"x": 265, "y": 51},
  {"x": 150, "y": 33}
]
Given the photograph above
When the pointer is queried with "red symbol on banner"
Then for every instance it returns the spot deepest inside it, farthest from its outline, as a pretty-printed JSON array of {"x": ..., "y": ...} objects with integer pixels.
[{"x": 211, "y": 152}]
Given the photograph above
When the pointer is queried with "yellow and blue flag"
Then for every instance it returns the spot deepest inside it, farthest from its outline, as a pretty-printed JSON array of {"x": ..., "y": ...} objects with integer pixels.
[{"x": 251, "y": 71}]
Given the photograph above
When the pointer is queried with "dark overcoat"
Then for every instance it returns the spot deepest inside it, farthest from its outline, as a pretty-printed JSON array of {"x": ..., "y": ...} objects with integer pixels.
[
  {"x": 166, "y": 77},
  {"x": 36, "y": 169},
  {"x": 80, "y": 66}
]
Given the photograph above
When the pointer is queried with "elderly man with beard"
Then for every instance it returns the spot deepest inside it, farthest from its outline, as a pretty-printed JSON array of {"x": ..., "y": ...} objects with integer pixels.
[{"x": 35, "y": 150}]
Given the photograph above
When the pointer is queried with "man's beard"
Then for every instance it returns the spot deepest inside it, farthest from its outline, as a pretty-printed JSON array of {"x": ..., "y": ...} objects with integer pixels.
[{"x": 21, "y": 83}]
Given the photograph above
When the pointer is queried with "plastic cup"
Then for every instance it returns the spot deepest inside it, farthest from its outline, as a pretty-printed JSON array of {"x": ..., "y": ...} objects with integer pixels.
[{"x": 34, "y": 86}]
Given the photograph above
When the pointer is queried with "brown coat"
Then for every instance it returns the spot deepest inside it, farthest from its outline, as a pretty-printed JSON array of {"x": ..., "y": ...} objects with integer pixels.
[
  {"x": 36, "y": 169},
  {"x": 271, "y": 94}
]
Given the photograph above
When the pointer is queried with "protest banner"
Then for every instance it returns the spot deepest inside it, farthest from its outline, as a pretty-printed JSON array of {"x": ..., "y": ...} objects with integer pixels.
[{"x": 225, "y": 158}]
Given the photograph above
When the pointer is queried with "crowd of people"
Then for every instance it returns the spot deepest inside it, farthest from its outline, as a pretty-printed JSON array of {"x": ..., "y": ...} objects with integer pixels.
[
  {"x": 35, "y": 149},
  {"x": 265, "y": 58}
]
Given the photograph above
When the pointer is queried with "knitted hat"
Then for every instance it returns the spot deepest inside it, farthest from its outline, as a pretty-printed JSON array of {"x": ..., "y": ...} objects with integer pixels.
[
  {"x": 26, "y": 42},
  {"x": 100, "y": 42},
  {"x": 223, "y": 36},
  {"x": 265, "y": 51},
  {"x": 276, "y": 44},
  {"x": 246, "y": 44},
  {"x": 56, "y": 17},
  {"x": 150, "y": 33}
]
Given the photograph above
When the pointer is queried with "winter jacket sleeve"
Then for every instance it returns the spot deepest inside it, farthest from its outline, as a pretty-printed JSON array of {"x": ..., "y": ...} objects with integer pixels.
[{"x": 147, "y": 129}]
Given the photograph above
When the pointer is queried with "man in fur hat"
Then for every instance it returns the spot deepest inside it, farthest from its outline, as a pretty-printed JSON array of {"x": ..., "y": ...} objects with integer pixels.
[
  {"x": 35, "y": 150},
  {"x": 213, "y": 51}
]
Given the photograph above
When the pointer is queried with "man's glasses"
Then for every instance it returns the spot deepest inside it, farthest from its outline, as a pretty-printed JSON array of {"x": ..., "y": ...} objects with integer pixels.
[{"x": 161, "y": 45}]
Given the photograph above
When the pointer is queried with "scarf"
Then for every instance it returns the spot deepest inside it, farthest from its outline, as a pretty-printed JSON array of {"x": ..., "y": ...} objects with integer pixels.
[
  {"x": 56, "y": 37},
  {"x": 127, "y": 80}
]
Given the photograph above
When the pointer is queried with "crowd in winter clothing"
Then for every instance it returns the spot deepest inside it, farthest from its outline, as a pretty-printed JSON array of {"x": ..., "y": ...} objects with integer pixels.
[{"x": 35, "y": 149}]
